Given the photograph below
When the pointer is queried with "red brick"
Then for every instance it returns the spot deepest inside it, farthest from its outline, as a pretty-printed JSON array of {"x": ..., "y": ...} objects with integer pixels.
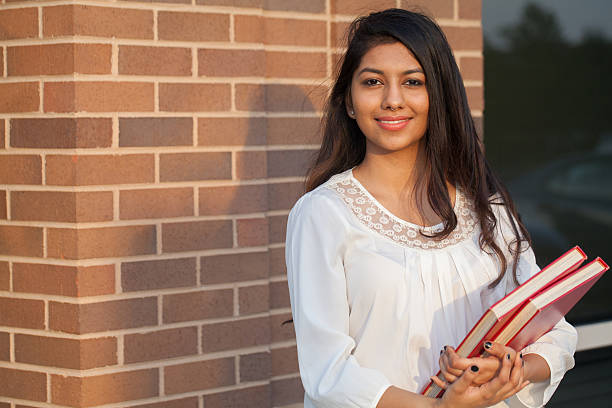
[
  {"x": 279, "y": 295},
  {"x": 158, "y": 274},
  {"x": 231, "y": 63},
  {"x": 193, "y": 236},
  {"x": 234, "y": 267},
  {"x": 144, "y": 132},
  {"x": 61, "y": 133},
  {"x": 282, "y": 196},
  {"x": 4, "y": 276},
  {"x": 104, "y": 389},
  {"x": 25, "y": 313},
  {"x": 92, "y": 21},
  {"x": 278, "y": 228},
  {"x": 22, "y": 384},
  {"x": 252, "y": 232},
  {"x": 253, "y": 397},
  {"x": 20, "y": 169},
  {"x": 250, "y": 97},
  {"x": 284, "y": 31},
  {"x": 161, "y": 344},
  {"x": 59, "y": 59},
  {"x": 282, "y": 64},
  {"x": 140, "y": 60},
  {"x": 339, "y": 33},
  {"x": 155, "y": 203},
  {"x": 464, "y": 38},
  {"x": 5, "y": 346},
  {"x": 255, "y": 367},
  {"x": 280, "y": 330},
  {"x": 251, "y": 165},
  {"x": 232, "y": 3},
  {"x": 235, "y": 334},
  {"x": 470, "y": 9},
  {"x": 64, "y": 280},
  {"x": 360, "y": 7},
  {"x": 233, "y": 200},
  {"x": 288, "y": 163},
  {"x": 287, "y": 391},
  {"x": 98, "y": 96},
  {"x": 198, "y": 305},
  {"x": 181, "y": 97},
  {"x": 284, "y": 361},
  {"x": 285, "y": 131},
  {"x": 18, "y": 23},
  {"x": 249, "y": 29},
  {"x": 66, "y": 353},
  {"x": 83, "y": 170},
  {"x": 437, "y": 8},
  {"x": 21, "y": 241},
  {"x": 472, "y": 68},
  {"x": 192, "y": 26},
  {"x": 253, "y": 299},
  {"x": 3, "y": 208},
  {"x": 277, "y": 262},
  {"x": 19, "y": 97},
  {"x": 231, "y": 131},
  {"x": 62, "y": 206},
  {"x": 312, "y": 6},
  {"x": 199, "y": 375},
  {"x": 294, "y": 98},
  {"x": 102, "y": 316},
  {"x": 191, "y": 402},
  {"x": 475, "y": 96},
  {"x": 195, "y": 166},
  {"x": 101, "y": 242}
]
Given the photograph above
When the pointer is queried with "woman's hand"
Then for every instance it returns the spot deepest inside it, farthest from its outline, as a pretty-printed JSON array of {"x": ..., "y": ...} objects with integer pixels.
[
  {"x": 463, "y": 392},
  {"x": 452, "y": 366}
]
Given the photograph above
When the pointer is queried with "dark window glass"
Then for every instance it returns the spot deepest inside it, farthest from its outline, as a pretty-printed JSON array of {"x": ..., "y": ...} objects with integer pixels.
[{"x": 548, "y": 126}]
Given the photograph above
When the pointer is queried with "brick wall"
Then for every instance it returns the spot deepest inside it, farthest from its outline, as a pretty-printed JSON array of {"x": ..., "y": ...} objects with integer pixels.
[{"x": 149, "y": 155}]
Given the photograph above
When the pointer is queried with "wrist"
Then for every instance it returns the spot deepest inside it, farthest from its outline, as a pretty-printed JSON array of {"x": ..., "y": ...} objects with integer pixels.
[{"x": 535, "y": 368}]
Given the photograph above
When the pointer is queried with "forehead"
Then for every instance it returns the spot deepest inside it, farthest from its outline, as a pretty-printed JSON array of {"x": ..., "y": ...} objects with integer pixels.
[{"x": 391, "y": 56}]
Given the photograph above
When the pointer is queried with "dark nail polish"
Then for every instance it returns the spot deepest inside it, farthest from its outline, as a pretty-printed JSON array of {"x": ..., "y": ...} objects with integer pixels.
[
  {"x": 441, "y": 351},
  {"x": 488, "y": 345},
  {"x": 474, "y": 368},
  {"x": 444, "y": 348},
  {"x": 508, "y": 356},
  {"x": 521, "y": 355}
]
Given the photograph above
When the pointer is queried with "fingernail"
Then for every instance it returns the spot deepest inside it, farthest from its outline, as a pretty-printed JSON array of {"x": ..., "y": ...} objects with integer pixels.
[
  {"x": 508, "y": 356},
  {"x": 474, "y": 368},
  {"x": 444, "y": 348},
  {"x": 441, "y": 351},
  {"x": 521, "y": 355},
  {"x": 488, "y": 345}
]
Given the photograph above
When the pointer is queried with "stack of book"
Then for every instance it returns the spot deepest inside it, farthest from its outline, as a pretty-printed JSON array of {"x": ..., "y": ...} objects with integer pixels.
[{"x": 533, "y": 308}]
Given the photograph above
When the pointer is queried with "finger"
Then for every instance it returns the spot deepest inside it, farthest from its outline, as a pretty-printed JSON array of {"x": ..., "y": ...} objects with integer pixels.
[
  {"x": 496, "y": 349},
  {"x": 457, "y": 364},
  {"x": 447, "y": 369},
  {"x": 516, "y": 376},
  {"x": 497, "y": 384},
  {"x": 439, "y": 382},
  {"x": 449, "y": 377},
  {"x": 466, "y": 379}
]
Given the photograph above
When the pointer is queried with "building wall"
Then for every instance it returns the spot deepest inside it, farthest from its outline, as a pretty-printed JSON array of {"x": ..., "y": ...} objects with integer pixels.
[{"x": 149, "y": 155}]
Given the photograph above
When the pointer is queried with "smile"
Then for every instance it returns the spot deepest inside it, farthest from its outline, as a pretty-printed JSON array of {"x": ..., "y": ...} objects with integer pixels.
[{"x": 393, "y": 123}]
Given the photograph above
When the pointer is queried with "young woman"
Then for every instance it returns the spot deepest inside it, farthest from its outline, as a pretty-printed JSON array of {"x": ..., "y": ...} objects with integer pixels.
[{"x": 406, "y": 237}]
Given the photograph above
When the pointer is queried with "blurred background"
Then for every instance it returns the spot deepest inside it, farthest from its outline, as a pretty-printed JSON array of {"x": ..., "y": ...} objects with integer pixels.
[{"x": 548, "y": 131}]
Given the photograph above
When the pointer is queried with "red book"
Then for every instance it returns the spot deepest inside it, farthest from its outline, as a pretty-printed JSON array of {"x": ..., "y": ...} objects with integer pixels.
[{"x": 498, "y": 316}]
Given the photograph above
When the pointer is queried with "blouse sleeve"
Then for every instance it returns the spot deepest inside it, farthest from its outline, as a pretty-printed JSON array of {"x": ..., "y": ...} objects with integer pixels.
[
  {"x": 557, "y": 346},
  {"x": 331, "y": 375}
]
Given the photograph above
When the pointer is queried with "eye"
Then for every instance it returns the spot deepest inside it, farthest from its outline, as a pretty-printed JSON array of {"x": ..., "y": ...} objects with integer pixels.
[
  {"x": 414, "y": 82},
  {"x": 372, "y": 82}
]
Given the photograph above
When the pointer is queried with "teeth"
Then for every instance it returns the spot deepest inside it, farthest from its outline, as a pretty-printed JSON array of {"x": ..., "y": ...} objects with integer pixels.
[{"x": 393, "y": 121}]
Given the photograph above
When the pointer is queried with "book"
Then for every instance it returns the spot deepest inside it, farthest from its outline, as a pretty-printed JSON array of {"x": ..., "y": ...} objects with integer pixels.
[{"x": 499, "y": 314}]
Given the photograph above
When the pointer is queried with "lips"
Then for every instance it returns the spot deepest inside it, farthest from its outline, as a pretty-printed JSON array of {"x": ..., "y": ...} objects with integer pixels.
[{"x": 392, "y": 122}]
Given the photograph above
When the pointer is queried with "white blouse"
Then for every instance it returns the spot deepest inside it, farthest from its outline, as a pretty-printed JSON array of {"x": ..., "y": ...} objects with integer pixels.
[{"x": 374, "y": 301}]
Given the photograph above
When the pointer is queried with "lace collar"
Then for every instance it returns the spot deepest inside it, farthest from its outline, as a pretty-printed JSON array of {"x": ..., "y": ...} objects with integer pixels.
[{"x": 380, "y": 220}]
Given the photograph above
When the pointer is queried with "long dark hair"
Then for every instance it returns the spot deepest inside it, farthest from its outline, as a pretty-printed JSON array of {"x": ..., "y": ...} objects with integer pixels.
[{"x": 452, "y": 150}]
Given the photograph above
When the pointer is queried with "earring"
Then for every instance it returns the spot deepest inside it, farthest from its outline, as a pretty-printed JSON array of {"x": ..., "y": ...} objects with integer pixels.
[{"x": 352, "y": 112}]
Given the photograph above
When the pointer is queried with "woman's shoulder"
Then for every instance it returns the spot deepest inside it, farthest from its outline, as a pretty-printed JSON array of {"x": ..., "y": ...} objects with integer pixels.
[{"x": 323, "y": 199}]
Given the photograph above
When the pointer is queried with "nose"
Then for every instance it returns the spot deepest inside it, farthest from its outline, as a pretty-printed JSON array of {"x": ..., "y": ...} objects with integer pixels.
[{"x": 393, "y": 98}]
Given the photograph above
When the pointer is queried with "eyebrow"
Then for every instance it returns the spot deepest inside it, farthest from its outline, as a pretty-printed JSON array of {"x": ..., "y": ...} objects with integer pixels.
[{"x": 379, "y": 72}]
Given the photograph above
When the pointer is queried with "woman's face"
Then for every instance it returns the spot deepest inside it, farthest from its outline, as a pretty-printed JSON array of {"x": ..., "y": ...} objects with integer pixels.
[{"x": 389, "y": 99}]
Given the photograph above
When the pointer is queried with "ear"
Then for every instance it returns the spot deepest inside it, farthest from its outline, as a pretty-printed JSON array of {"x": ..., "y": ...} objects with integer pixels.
[{"x": 348, "y": 101}]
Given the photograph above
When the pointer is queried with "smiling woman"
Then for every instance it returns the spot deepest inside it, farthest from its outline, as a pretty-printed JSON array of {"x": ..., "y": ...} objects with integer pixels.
[{"x": 406, "y": 236}]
